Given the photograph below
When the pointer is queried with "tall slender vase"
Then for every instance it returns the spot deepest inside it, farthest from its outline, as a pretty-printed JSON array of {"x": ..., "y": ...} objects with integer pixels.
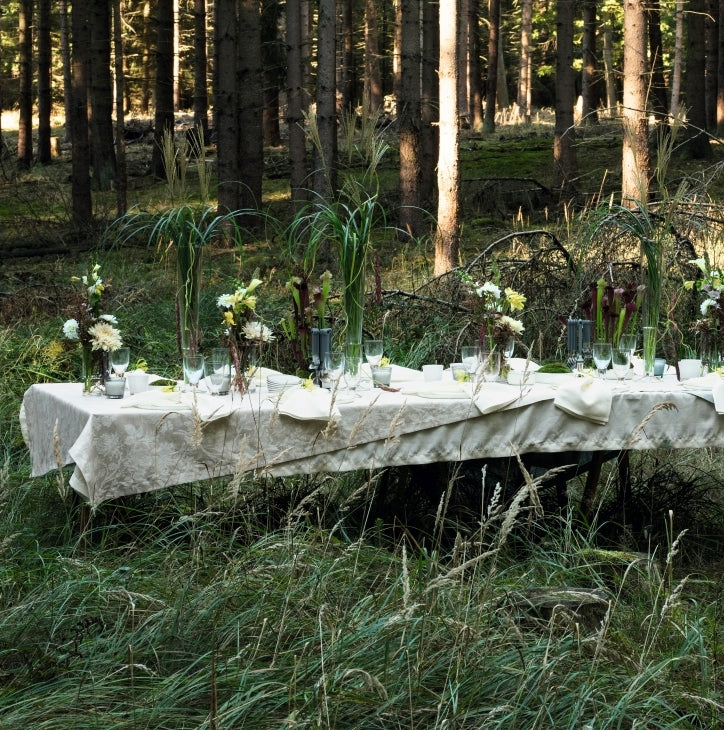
[
  {"x": 86, "y": 354},
  {"x": 649, "y": 350},
  {"x": 188, "y": 296},
  {"x": 353, "y": 300}
]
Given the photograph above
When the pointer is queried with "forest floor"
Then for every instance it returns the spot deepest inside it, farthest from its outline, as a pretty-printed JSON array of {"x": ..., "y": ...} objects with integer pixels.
[{"x": 506, "y": 180}]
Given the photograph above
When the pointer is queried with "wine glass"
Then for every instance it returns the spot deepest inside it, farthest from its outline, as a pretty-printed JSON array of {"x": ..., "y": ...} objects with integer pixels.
[
  {"x": 621, "y": 361},
  {"x": 628, "y": 342},
  {"x": 373, "y": 352},
  {"x": 335, "y": 369},
  {"x": 490, "y": 365},
  {"x": 602, "y": 357},
  {"x": 120, "y": 357},
  {"x": 193, "y": 369}
]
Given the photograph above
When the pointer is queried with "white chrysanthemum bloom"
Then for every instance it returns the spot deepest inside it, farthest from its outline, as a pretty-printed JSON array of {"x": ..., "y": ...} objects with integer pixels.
[
  {"x": 489, "y": 288},
  {"x": 110, "y": 318},
  {"x": 70, "y": 329},
  {"x": 513, "y": 325},
  {"x": 706, "y": 305},
  {"x": 257, "y": 332},
  {"x": 225, "y": 301},
  {"x": 104, "y": 336}
]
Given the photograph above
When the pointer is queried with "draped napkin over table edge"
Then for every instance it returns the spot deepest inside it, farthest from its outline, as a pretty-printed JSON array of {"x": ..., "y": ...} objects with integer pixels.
[
  {"x": 302, "y": 404},
  {"x": 587, "y": 398},
  {"x": 208, "y": 407}
]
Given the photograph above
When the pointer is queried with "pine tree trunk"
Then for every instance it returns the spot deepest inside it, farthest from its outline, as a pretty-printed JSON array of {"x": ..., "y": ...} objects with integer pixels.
[
  {"x": 589, "y": 115},
  {"x": 430, "y": 104},
  {"x": 720, "y": 75},
  {"x": 225, "y": 104},
  {"x": 295, "y": 117},
  {"x": 491, "y": 84},
  {"x": 164, "y": 117},
  {"x": 272, "y": 62},
  {"x": 475, "y": 74},
  {"x": 118, "y": 56},
  {"x": 447, "y": 236},
  {"x": 325, "y": 158},
  {"x": 409, "y": 120},
  {"x": 564, "y": 136},
  {"x": 201, "y": 96},
  {"x": 45, "y": 102},
  {"x": 659, "y": 101},
  {"x": 526, "y": 64},
  {"x": 697, "y": 140},
  {"x": 67, "y": 65},
  {"x": 373, "y": 78},
  {"x": 251, "y": 104},
  {"x": 80, "y": 177},
  {"x": 676, "y": 72},
  {"x": 101, "y": 98},
  {"x": 635, "y": 158},
  {"x": 25, "y": 103}
]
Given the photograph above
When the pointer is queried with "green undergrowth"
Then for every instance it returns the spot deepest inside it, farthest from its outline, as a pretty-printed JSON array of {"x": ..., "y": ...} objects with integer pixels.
[
  {"x": 363, "y": 600},
  {"x": 184, "y": 609}
]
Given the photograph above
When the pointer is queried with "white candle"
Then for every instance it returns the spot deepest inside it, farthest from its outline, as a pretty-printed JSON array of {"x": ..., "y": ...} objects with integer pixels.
[{"x": 115, "y": 387}]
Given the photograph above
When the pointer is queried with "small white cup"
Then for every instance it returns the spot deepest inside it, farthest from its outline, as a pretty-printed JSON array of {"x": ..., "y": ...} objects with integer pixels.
[
  {"x": 689, "y": 368},
  {"x": 137, "y": 381},
  {"x": 432, "y": 372}
]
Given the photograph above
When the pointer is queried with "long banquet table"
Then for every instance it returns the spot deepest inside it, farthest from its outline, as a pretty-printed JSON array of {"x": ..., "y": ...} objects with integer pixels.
[{"x": 122, "y": 447}]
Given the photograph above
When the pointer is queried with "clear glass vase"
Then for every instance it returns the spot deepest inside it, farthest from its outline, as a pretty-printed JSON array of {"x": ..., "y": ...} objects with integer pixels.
[
  {"x": 94, "y": 368},
  {"x": 649, "y": 350}
]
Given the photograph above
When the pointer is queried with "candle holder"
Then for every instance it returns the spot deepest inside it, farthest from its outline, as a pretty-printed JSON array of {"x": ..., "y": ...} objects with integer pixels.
[
  {"x": 115, "y": 387},
  {"x": 579, "y": 342},
  {"x": 321, "y": 347}
]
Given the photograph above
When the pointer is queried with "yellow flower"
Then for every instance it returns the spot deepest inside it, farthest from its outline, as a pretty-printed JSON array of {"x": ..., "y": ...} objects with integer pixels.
[
  {"x": 308, "y": 384},
  {"x": 229, "y": 318},
  {"x": 689, "y": 285},
  {"x": 516, "y": 300}
]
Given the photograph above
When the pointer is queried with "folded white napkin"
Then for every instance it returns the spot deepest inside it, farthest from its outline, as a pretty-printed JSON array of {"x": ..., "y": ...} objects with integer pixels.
[
  {"x": 586, "y": 398},
  {"x": 522, "y": 363},
  {"x": 490, "y": 397},
  {"x": 437, "y": 389},
  {"x": 718, "y": 392},
  {"x": 208, "y": 407},
  {"x": 398, "y": 373},
  {"x": 308, "y": 405}
]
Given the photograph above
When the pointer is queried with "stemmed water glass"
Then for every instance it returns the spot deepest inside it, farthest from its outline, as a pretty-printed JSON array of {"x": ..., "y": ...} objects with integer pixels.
[
  {"x": 193, "y": 369},
  {"x": 352, "y": 373},
  {"x": 628, "y": 342},
  {"x": 602, "y": 357},
  {"x": 621, "y": 361},
  {"x": 120, "y": 358},
  {"x": 373, "y": 352},
  {"x": 335, "y": 370}
]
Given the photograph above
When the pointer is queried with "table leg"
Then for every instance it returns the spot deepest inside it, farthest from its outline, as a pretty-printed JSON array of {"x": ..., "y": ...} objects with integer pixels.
[{"x": 591, "y": 486}]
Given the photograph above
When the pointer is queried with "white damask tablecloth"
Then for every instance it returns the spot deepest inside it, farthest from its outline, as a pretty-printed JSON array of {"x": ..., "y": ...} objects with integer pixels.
[{"x": 120, "y": 449}]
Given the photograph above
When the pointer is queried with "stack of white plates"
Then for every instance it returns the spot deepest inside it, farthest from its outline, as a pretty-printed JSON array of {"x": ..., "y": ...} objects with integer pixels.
[{"x": 279, "y": 382}]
